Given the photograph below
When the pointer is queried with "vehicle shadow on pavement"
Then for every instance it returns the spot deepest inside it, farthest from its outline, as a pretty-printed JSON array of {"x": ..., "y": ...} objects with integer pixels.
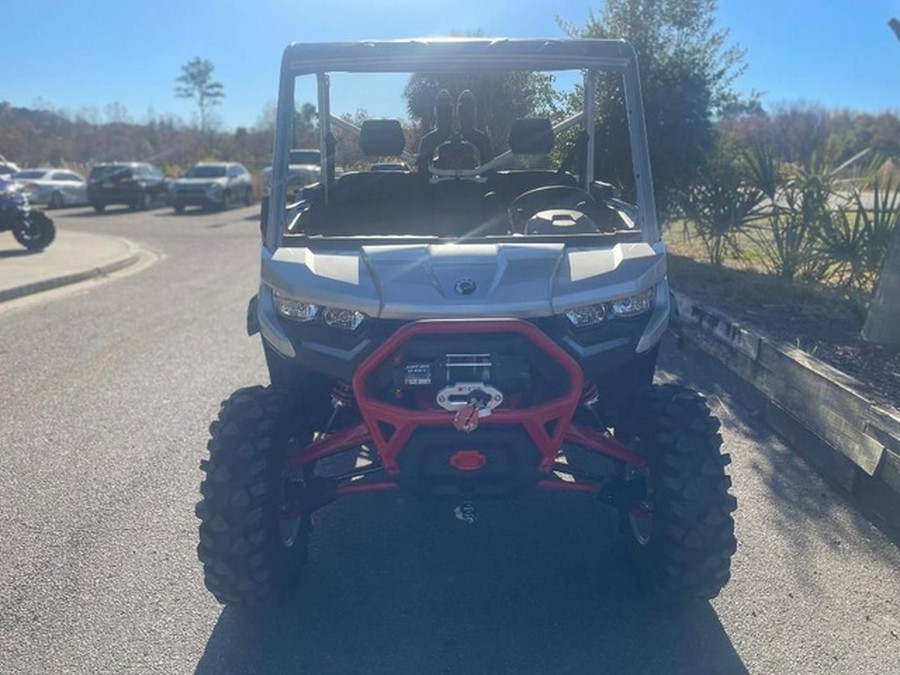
[
  {"x": 536, "y": 585},
  {"x": 169, "y": 212},
  {"x": 17, "y": 253},
  {"x": 810, "y": 514},
  {"x": 109, "y": 211}
]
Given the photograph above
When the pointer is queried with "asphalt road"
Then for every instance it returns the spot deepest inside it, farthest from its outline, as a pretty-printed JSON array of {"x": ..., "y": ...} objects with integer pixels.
[{"x": 106, "y": 394}]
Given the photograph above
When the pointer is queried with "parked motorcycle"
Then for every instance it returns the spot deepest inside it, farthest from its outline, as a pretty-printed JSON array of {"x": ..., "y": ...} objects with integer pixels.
[{"x": 31, "y": 227}]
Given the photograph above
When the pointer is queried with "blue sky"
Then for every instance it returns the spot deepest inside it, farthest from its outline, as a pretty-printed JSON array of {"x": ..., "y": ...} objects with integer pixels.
[{"x": 82, "y": 54}]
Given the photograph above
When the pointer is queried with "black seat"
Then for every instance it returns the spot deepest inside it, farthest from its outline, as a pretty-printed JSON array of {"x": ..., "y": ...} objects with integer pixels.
[
  {"x": 455, "y": 153},
  {"x": 375, "y": 202},
  {"x": 532, "y": 136},
  {"x": 380, "y": 138}
]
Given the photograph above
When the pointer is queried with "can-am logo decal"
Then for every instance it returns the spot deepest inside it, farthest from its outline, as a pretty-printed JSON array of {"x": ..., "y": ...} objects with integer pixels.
[{"x": 465, "y": 287}]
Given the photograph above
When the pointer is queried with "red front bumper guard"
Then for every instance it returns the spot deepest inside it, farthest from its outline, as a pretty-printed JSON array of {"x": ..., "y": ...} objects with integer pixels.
[{"x": 554, "y": 415}]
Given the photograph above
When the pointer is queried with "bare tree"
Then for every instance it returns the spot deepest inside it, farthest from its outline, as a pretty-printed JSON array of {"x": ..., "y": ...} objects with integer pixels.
[{"x": 196, "y": 82}]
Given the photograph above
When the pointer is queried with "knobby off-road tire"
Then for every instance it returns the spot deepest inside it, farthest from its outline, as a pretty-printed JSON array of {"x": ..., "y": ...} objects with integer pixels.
[
  {"x": 245, "y": 556},
  {"x": 37, "y": 233},
  {"x": 681, "y": 539}
]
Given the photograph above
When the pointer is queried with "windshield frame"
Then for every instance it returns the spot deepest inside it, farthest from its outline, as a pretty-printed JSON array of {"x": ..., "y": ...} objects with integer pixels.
[{"x": 453, "y": 55}]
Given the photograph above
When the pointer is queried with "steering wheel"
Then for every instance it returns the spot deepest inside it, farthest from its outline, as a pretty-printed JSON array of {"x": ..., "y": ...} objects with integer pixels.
[{"x": 540, "y": 199}]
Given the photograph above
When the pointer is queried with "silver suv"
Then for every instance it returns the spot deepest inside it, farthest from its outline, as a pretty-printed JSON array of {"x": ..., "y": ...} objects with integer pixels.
[
  {"x": 303, "y": 169},
  {"x": 213, "y": 185}
]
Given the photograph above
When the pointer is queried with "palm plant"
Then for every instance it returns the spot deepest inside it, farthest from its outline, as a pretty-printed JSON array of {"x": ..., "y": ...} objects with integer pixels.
[
  {"x": 720, "y": 205},
  {"x": 879, "y": 222},
  {"x": 841, "y": 242},
  {"x": 797, "y": 207},
  {"x": 854, "y": 241}
]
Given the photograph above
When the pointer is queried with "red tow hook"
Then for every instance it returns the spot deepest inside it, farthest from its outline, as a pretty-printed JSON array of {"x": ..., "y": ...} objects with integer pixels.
[{"x": 466, "y": 419}]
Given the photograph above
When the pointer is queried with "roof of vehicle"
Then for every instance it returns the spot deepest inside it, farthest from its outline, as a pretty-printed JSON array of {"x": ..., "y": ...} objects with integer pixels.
[
  {"x": 453, "y": 54},
  {"x": 50, "y": 169},
  {"x": 99, "y": 164}
]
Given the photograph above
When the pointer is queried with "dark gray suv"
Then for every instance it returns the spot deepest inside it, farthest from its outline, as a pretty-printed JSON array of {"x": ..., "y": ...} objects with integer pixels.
[
  {"x": 213, "y": 185},
  {"x": 137, "y": 185}
]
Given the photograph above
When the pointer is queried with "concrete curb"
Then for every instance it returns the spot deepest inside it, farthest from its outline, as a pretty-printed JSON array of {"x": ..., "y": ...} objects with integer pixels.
[
  {"x": 816, "y": 408},
  {"x": 130, "y": 257}
]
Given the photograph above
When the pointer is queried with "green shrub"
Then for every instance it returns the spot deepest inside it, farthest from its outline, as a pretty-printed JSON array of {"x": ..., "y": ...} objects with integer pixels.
[
  {"x": 796, "y": 209},
  {"x": 721, "y": 205}
]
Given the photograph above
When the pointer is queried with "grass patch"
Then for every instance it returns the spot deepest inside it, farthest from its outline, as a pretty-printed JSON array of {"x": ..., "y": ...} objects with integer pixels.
[{"x": 681, "y": 238}]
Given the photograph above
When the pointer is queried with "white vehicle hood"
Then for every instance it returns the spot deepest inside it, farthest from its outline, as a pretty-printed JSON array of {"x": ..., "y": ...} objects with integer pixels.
[{"x": 416, "y": 281}]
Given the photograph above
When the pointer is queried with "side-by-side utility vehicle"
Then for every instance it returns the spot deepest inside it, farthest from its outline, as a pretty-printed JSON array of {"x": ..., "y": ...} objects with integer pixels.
[{"x": 480, "y": 325}]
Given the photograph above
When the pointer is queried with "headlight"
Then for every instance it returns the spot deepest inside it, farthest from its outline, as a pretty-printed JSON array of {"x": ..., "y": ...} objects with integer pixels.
[
  {"x": 335, "y": 317},
  {"x": 348, "y": 319},
  {"x": 631, "y": 305},
  {"x": 587, "y": 315},
  {"x": 294, "y": 309}
]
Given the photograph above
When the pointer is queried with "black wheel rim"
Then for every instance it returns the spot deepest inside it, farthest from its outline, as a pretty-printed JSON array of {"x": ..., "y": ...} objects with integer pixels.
[
  {"x": 31, "y": 231},
  {"x": 291, "y": 520},
  {"x": 289, "y": 528},
  {"x": 640, "y": 514}
]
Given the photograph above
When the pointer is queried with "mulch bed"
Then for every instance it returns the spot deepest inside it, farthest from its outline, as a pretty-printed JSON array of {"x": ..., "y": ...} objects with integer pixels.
[{"x": 816, "y": 321}]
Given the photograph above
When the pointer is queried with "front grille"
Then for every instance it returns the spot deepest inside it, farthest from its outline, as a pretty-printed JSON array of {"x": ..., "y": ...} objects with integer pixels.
[{"x": 426, "y": 364}]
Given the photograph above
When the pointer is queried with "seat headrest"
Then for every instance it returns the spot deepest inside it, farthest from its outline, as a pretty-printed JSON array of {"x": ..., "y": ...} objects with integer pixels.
[
  {"x": 378, "y": 138},
  {"x": 443, "y": 110},
  {"x": 466, "y": 110},
  {"x": 532, "y": 136}
]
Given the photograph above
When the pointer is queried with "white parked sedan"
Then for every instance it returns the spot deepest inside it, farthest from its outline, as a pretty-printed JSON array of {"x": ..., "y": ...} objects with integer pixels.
[{"x": 53, "y": 187}]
